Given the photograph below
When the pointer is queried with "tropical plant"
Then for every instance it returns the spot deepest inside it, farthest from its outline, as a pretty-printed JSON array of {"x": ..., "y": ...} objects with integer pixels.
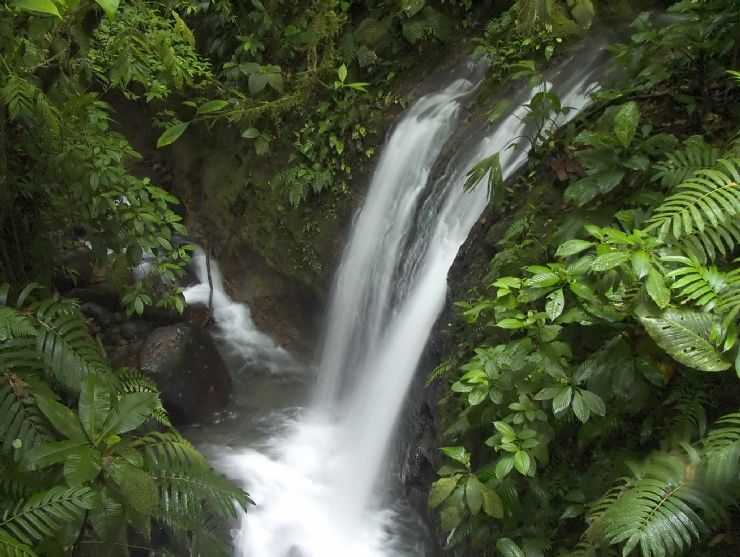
[{"x": 90, "y": 461}]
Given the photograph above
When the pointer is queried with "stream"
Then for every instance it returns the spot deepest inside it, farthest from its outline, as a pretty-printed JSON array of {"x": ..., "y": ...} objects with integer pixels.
[{"x": 312, "y": 443}]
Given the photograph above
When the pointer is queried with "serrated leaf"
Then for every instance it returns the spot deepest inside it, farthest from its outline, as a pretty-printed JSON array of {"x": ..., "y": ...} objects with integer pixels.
[
  {"x": 641, "y": 264},
  {"x": 676, "y": 332},
  {"x": 571, "y": 247},
  {"x": 441, "y": 490},
  {"x": 625, "y": 123},
  {"x": 492, "y": 504},
  {"x": 609, "y": 260},
  {"x": 656, "y": 289},
  {"x": 580, "y": 408},
  {"x": 554, "y": 304},
  {"x": 562, "y": 400},
  {"x": 172, "y": 134}
]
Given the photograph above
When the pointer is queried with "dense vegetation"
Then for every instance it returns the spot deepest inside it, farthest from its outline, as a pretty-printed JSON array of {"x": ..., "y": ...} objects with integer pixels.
[
  {"x": 606, "y": 350},
  {"x": 593, "y": 396}
]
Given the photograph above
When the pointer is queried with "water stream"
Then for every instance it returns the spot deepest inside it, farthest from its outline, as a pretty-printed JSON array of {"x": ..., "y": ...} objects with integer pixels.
[{"x": 319, "y": 468}]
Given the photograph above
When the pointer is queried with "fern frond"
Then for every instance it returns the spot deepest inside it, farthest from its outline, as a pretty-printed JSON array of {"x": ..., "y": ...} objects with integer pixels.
[
  {"x": 183, "y": 491},
  {"x": 43, "y": 515},
  {"x": 729, "y": 299},
  {"x": 10, "y": 547},
  {"x": 14, "y": 324},
  {"x": 170, "y": 450},
  {"x": 713, "y": 241},
  {"x": 65, "y": 343},
  {"x": 660, "y": 513},
  {"x": 710, "y": 197},
  {"x": 721, "y": 452},
  {"x": 21, "y": 422},
  {"x": 696, "y": 284},
  {"x": 681, "y": 164},
  {"x": 135, "y": 382}
]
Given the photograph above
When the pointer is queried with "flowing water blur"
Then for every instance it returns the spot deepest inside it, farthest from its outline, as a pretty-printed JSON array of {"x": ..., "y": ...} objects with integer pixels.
[{"x": 319, "y": 472}]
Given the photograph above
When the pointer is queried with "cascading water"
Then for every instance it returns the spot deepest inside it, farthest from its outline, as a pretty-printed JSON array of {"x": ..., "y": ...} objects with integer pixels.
[{"x": 315, "y": 478}]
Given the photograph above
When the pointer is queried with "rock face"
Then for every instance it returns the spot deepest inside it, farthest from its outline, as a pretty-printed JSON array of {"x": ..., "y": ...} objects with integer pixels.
[{"x": 188, "y": 370}]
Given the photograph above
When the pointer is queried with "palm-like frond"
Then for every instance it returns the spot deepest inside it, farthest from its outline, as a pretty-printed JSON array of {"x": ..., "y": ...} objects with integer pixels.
[
  {"x": 10, "y": 547},
  {"x": 696, "y": 284},
  {"x": 708, "y": 199},
  {"x": 721, "y": 452},
  {"x": 64, "y": 342},
  {"x": 713, "y": 242},
  {"x": 21, "y": 422},
  {"x": 661, "y": 512},
  {"x": 679, "y": 165},
  {"x": 43, "y": 515},
  {"x": 729, "y": 299}
]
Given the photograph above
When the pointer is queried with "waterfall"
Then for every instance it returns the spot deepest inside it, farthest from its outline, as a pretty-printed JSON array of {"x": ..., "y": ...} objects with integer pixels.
[{"x": 316, "y": 480}]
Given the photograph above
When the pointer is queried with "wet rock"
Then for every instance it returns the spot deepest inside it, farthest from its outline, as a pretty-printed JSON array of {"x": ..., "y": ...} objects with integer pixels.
[
  {"x": 97, "y": 312},
  {"x": 135, "y": 328},
  {"x": 124, "y": 355},
  {"x": 100, "y": 295},
  {"x": 192, "y": 377}
]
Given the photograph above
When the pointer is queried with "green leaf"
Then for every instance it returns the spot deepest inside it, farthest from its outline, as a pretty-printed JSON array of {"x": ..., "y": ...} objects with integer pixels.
[
  {"x": 94, "y": 405},
  {"x": 457, "y": 454},
  {"x": 504, "y": 429},
  {"x": 507, "y": 548},
  {"x": 657, "y": 289},
  {"x": 510, "y": 323},
  {"x": 129, "y": 412},
  {"x": 561, "y": 401},
  {"x": 594, "y": 402},
  {"x": 82, "y": 465},
  {"x": 571, "y": 247},
  {"x": 582, "y": 11},
  {"x": 580, "y": 408},
  {"x": 498, "y": 110},
  {"x": 412, "y": 7},
  {"x": 504, "y": 466},
  {"x": 641, "y": 264},
  {"x": 11, "y": 547},
  {"x": 212, "y": 106},
  {"x": 342, "y": 72},
  {"x": 522, "y": 461},
  {"x": 257, "y": 82},
  {"x": 136, "y": 486},
  {"x": 64, "y": 420},
  {"x": 478, "y": 395},
  {"x": 450, "y": 518},
  {"x": 625, "y": 123},
  {"x": 610, "y": 260},
  {"x": 48, "y": 454},
  {"x": 441, "y": 490},
  {"x": 474, "y": 495},
  {"x": 554, "y": 304},
  {"x": 682, "y": 334},
  {"x": 172, "y": 134},
  {"x": 110, "y": 7},
  {"x": 251, "y": 133},
  {"x": 492, "y": 504},
  {"x": 41, "y": 6}
]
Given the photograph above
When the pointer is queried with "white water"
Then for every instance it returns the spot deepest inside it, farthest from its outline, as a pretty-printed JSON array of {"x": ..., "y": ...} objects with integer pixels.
[{"x": 317, "y": 480}]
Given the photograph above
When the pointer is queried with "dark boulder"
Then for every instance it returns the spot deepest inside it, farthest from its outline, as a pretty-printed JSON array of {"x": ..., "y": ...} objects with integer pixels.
[
  {"x": 192, "y": 377},
  {"x": 135, "y": 329},
  {"x": 98, "y": 313}
]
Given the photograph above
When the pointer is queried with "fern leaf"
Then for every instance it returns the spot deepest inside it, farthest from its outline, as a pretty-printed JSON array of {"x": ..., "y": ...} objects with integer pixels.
[
  {"x": 698, "y": 285},
  {"x": 721, "y": 451},
  {"x": 681, "y": 164},
  {"x": 10, "y": 547},
  {"x": 65, "y": 344},
  {"x": 14, "y": 324},
  {"x": 713, "y": 241},
  {"x": 21, "y": 422},
  {"x": 44, "y": 514},
  {"x": 135, "y": 382},
  {"x": 684, "y": 336},
  {"x": 729, "y": 300},
  {"x": 660, "y": 512},
  {"x": 710, "y": 197}
]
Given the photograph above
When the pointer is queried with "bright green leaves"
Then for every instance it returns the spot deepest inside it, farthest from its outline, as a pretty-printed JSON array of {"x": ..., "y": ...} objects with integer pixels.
[
  {"x": 625, "y": 123},
  {"x": 488, "y": 167},
  {"x": 684, "y": 336},
  {"x": 582, "y": 402},
  {"x": 172, "y": 134},
  {"x": 572, "y": 247},
  {"x": 554, "y": 304},
  {"x": 212, "y": 106},
  {"x": 607, "y": 261},
  {"x": 38, "y": 6},
  {"x": 95, "y": 403},
  {"x": 441, "y": 490},
  {"x": 458, "y": 454},
  {"x": 656, "y": 288},
  {"x": 110, "y": 7}
]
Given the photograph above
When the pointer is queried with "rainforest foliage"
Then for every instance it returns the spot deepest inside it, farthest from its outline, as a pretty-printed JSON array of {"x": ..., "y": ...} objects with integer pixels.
[{"x": 592, "y": 400}]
